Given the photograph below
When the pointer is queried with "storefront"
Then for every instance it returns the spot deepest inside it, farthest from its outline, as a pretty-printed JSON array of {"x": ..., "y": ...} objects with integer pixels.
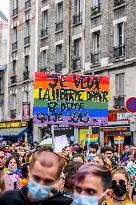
[
  {"x": 118, "y": 125},
  {"x": 11, "y": 132}
]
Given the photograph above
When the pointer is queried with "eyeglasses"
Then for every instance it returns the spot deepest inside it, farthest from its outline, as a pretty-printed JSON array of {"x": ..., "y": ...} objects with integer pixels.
[{"x": 120, "y": 182}]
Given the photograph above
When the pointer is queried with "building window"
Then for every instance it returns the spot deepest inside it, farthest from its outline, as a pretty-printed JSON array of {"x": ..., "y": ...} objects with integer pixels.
[
  {"x": 77, "y": 54},
  {"x": 95, "y": 7},
  {"x": 44, "y": 31},
  {"x": 95, "y": 55},
  {"x": 119, "y": 49},
  {"x": 119, "y": 99},
  {"x": 77, "y": 12},
  {"x": 27, "y": 4},
  {"x": 25, "y": 97},
  {"x": 1, "y": 85},
  {"x": 59, "y": 18},
  {"x": 44, "y": 59},
  {"x": 15, "y": 7},
  {"x": 13, "y": 108},
  {"x": 26, "y": 71},
  {"x": 118, "y": 2},
  {"x": 58, "y": 65},
  {"x": 14, "y": 44},
  {"x": 27, "y": 33},
  {"x": 14, "y": 66}
]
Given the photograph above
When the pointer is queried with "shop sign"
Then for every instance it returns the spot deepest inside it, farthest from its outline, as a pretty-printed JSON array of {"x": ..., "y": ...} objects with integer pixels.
[
  {"x": 118, "y": 123},
  {"x": 71, "y": 99},
  {"x": 125, "y": 116},
  {"x": 13, "y": 124}
]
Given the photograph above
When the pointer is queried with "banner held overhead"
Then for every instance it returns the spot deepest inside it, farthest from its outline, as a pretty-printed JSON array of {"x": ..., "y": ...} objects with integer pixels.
[{"x": 72, "y": 99}]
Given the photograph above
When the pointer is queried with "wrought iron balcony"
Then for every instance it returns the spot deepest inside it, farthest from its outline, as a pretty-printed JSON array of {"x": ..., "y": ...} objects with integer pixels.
[
  {"x": 15, "y": 11},
  {"x": 13, "y": 79},
  {"x": 95, "y": 10},
  {"x": 77, "y": 19},
  {"x": 27, "y": 4},
  {"x": 44, "y": 32},
  {"x": 44, "y": 69},
  {"x": 59, "y": 26},
  {"x": 118, "y": 2},
  {"x": 119, "y": 51},
  {"x": 95, "y": 57},
  {"x": 76, "y": 63},
  {"x": 27, "y": 40},
  {"x": 58, "y": 67},
  {"x": 13, "y": 113},
  {"x": 26, "y": 75},
  {"x": 119, "y": 101},
  {"x": 14, "y": 45}
]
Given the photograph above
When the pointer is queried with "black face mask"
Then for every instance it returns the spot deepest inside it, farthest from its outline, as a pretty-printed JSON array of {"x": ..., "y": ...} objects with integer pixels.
[{"x": 119, "y": 190}]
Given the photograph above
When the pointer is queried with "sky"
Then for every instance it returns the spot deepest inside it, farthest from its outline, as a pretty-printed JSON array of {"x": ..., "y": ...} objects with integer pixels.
[{"x": 4, "y": 6}]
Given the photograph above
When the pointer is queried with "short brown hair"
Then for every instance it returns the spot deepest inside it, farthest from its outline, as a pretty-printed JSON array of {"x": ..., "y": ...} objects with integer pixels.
[
  {"x": 45, "y": 163},
  {"x": 95, "y": 169},
  {"x": 120, "y": 170}
]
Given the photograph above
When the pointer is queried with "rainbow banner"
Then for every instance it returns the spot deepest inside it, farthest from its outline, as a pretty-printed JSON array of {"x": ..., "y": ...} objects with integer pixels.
[
  {"x": 118, "y": 139},
  {"x": 71, "y": 99}
]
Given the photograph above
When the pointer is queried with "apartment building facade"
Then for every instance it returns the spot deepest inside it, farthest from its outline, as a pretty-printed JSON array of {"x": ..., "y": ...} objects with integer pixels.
[
  {"x": 83, "y": 36},
  {"x": 3, "y": 64}
]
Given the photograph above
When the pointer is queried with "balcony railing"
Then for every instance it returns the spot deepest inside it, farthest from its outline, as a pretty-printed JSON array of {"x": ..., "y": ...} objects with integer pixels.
[
  {"x": 76, "y": 63},
  {"x": 26, "y": 75},
  {"x": 119, "y": 51},
  {"x": 13, "y": 79},
  {"x": 44, "y": 69},
  {"x": 15, "y": 11},
  {"x": 27, "y": 40},
  {"x": 44, "y": 32},
  {"x": 13, "y": 113},
  {"x": 119, "y": 101},
  {"x": 95, "y": 10},
  {"x": 118, "y": 2},
  {"x": 59, "y": 26},
  {"x": 95, "y": 57},
  {"x": 77, "y": 19},
  {"x": 27, "y": 4},
  {"x": 58, "y": 67},
  {"x": 14, "y": 45}
]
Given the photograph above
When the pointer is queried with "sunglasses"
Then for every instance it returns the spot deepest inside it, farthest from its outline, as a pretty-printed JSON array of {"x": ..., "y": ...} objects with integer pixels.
[{"x": 114, "y": 182}]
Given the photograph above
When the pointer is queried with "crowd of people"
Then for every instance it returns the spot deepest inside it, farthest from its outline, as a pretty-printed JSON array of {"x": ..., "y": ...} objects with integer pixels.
[{"x": 90, "y": 175}]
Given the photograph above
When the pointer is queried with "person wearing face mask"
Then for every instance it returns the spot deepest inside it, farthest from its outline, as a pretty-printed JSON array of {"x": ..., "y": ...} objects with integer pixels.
[
  {"x": 92, "y": 152},
  {"x": 121, "y": 187},
  {"x": 92, "y": 185},
  {"x": 44, "y": 170}
]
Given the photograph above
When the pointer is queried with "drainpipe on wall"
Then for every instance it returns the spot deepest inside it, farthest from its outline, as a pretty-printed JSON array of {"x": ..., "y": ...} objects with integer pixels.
[
  {"x": 84, "y": 22},
  {"x": 69, "y": 38}
]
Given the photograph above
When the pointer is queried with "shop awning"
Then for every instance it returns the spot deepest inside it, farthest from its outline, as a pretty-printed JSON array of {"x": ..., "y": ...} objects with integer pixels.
[{"x": 13, "y": 131}]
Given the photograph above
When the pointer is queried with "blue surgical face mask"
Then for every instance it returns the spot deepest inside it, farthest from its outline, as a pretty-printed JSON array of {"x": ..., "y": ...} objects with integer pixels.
[
  {"x": 37, "y": 191},
  {"x": 85, "y": 200},
  {"x": 90, "y": 156}
]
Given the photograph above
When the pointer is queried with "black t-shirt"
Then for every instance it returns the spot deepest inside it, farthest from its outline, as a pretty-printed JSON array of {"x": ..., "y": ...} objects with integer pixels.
[{"x": 19, "y": 197}]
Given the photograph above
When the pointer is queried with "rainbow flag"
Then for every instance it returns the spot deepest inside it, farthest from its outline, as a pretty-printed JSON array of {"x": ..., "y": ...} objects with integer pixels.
[
  {"x": 118, "y": 139},
  {"x": 93, "y": 138}
]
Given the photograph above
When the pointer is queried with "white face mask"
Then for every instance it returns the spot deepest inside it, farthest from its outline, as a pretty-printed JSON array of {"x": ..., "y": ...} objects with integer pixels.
[
  {"x": 85, "y": 200},
  {"x": 88, "y": 200}
]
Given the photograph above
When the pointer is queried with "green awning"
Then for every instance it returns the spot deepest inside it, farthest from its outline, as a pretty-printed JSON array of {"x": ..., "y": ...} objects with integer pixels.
[{"x": 13, "y": 131}]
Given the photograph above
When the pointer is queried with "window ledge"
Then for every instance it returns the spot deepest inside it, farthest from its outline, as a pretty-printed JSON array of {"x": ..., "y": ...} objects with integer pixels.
[
  {"x": 95, "y": 65},
  {"x": 76, "y": 70},
  {"x": 44, "y": 37},
  {"x": 119, "y": 6},
  {"x": 27, "y": 45},
  {"x": 58, "y": 31},
  {"x": 14, "y": 50},
  {"x": 96, "y": 15},
  {"x": 27, "y": 8},
  {"x": 15, "y": 16},
  {"x": 2, "y": 93},
  {"x": 77, "y": 24},
  {"x": 119, "y": 59}
]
